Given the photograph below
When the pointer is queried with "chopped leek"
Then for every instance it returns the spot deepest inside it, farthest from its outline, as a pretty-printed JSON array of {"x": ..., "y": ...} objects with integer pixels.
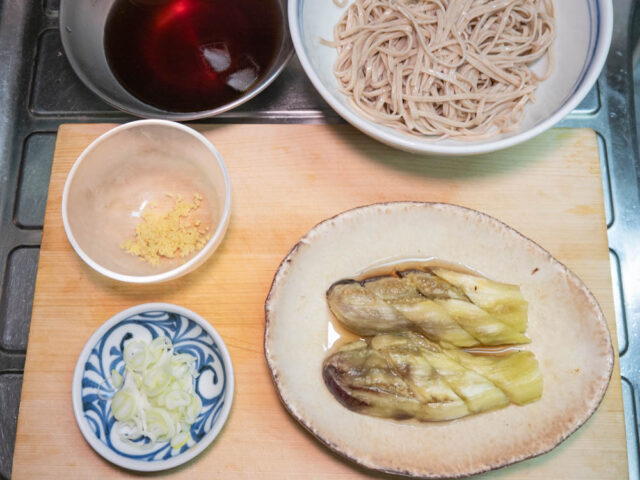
[
  {"x": 157, "y": 398},
  {"x": 116, "y": 379}
]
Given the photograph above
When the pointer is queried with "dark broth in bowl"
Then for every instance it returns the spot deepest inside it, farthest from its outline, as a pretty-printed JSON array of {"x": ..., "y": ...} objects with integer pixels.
[{"x": 191, "y": 55}]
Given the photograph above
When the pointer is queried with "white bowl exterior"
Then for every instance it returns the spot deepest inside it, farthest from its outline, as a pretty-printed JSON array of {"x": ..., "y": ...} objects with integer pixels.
[
  {"x": 584, "y": 29},
  {"x": 218, "y": 175},
  {"x": 76, "y": 391}
]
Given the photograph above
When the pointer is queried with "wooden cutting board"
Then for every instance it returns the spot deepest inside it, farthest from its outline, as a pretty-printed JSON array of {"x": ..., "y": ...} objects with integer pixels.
[{"x": 287, "y": 178}]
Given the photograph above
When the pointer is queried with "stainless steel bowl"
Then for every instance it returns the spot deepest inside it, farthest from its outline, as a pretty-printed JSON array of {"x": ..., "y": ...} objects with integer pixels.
[{"x": 82, "y": 32}]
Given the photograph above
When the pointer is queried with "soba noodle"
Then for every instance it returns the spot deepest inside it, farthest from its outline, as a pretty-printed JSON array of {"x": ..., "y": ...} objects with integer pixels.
[{"x": 444, "y": 68}]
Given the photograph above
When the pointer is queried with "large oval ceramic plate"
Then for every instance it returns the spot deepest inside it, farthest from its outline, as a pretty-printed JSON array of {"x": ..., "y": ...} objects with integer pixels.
[{"x": 569, "y": 336}]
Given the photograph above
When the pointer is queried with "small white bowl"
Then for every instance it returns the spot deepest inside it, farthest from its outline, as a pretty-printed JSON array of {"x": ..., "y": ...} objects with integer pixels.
[
  {"x": 125, "y": 171},
  {"x": 584, "y": 30},
  {"x": 92, "y": 390}
]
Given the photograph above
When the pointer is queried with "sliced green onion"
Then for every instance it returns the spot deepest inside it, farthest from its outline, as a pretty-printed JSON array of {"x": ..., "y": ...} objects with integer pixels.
[
  {"x": 157, "y": 347},
  {"x": 123, "y": 405},
  {"x": 136, "y": 355},
  {"x": 160, "y": 425},
  {"x": 156, "y": 397},
  {"x": 155, "y": 380},
  {"x": 176, "y": 399},
  {"x": 180, "y": 439},
  {"x": 193, "y": 409},
  {"x": 116, "y": 379}
]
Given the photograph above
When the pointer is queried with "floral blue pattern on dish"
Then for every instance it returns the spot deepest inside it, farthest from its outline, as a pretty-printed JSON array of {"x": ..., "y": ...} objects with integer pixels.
[{"x": 106, "y": 355}]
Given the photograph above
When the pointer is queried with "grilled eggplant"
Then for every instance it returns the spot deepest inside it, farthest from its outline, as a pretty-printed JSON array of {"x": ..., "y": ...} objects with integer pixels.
[
  {"x": 407, "y": 376},
  {"x": 516, "y": 374},
  {"x": 363, "y": 312},
  {"x": 503, "y": 301},
  {"x": 367, "y": 380},
  {"x": 446, "y": 306}
]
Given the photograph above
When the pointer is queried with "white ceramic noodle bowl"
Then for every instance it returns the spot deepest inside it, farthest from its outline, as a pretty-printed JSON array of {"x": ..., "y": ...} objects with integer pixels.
[
  {"x": 584, "y": 29},
  {"x": 123, "y": 173}
]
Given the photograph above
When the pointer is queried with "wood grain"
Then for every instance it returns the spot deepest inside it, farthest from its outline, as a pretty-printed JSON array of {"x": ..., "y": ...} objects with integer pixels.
[{"x": 287, "y": 178}]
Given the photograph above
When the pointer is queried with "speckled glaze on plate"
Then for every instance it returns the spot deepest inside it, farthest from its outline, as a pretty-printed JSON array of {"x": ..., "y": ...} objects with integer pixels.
[
  {"x": 568, "y": 331},
  {"x": 92, "y": 390}
]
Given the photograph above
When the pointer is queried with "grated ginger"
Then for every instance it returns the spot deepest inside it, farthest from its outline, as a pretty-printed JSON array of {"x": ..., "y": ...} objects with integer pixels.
[{"x": 170, "y": 234}]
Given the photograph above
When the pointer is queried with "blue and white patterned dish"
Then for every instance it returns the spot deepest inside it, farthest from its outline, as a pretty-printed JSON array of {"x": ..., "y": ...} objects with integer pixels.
[{"x": 92, "y": 389}]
